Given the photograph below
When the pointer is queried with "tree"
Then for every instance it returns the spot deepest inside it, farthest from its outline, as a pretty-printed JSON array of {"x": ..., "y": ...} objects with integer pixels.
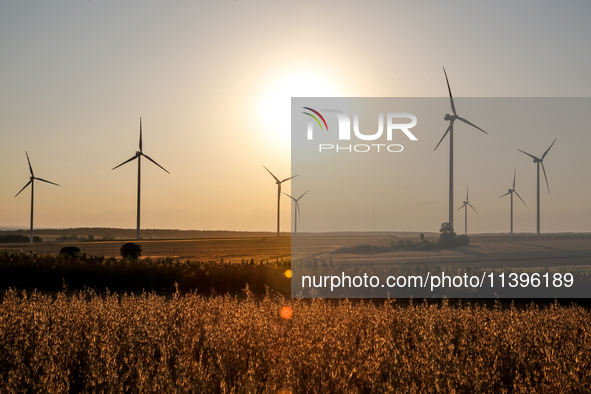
[
  {"x": 130, "y": 251},
  {"x": 70, "y": 251},
  {"x": 447, "y": 235}
]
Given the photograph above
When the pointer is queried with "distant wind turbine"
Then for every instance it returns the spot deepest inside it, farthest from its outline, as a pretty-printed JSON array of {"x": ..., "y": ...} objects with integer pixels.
[
  {"x": 511, "y": 191},
  {"x": 450, "y": 130},
  {"x": 465, "y": 206},
  {"x": 138, "y": 155},
  {"x": 297, "y": 208},
  {"x": 33, "y": 178},
  {"x": 278, "y": 182},
  {"x": 539, "y": 161}
]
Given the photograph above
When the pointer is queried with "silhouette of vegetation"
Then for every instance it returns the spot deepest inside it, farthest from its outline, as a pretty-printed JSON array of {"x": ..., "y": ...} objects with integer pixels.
[
  {"x": 131, "y": 251},
  {"x": 69, "y": 238},
  {"x": 70, "y": 251},
  {"x": 48, "y": 273},
  {"x": 447, "y": 236},
  {"x": 447, "y": 239},
  {"x": 13, "y": 238}
]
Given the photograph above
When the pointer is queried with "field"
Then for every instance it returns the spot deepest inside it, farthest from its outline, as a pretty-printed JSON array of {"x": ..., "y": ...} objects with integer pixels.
[
  {"x": 183, "y": 342},
  {"x": 190, "y": 344},
  {"x": 487, "y": 251}
]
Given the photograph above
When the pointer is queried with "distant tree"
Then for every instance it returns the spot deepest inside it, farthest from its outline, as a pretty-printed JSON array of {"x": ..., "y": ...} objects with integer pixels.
[
  {"x": 18, "y": 238},
  {"x": 130, "y": 251},
  {"x": 447, "y": 236},
  {"x": 422, "y": 236},
  {"x": 462, "y": 240},
  {"x": 70, "y": 251},
  {"x": 90, "y": 238}
]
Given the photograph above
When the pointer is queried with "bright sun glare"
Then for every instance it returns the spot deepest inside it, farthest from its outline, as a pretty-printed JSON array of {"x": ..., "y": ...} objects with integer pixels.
[{"x": 274, "y": 106}]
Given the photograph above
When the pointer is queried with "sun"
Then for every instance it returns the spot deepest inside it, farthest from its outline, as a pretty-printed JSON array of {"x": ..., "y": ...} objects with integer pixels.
[{"x": 274, "y": 105}]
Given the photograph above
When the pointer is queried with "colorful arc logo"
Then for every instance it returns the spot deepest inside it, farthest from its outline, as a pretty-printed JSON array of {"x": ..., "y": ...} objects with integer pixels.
[{"x": 315, "y": 118}]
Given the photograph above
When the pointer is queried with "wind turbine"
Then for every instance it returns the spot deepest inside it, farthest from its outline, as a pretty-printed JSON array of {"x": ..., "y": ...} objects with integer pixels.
[
  {"x": 511, "y": 191},
  {"x": 33, "y": 178},
  {"x": 450, "y": 130},
  {"x": 138, "y": 155},
  {"x": 539, "y": 161},
  {"x": 465, "y": 206},
  {"x": 278, "y": 182},
  {"x": 297, "y": 208}
]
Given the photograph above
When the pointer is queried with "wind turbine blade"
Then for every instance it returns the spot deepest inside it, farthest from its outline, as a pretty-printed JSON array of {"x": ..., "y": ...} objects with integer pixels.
[
  {"x": 271, "y": 174},
  {"x": 290, "y": 196},
  {"x": 29, "y": 161},
  {"x": 472, "y": 124},
  {"x": 444, "y": 134},
  {"x": 303, "y": 194},
  {"x": 532, "y": 156},
  {"x": 466, "y": 193},
  {"x": 545, "y": 177},
  {"x": 520, "y": 198},
  {"x": 504, "y": 194},
  {"x": 28, "y": 183},
  {"x": 545, "y": 153},
  {"x": 127, "y": 161},
  {"x": 149, "y": 158},
  {"x": 514, "y": 175},
  {"x": 472, "y": 207},
  {"x": 298, "y": 209},
  {"x": 463, "y": 205},
  {"x": 140, "y": 134},
  {"x": 43, "y": 180},
  {"x": 287, "y": 179},
  {"x": 451, "y": 99}
]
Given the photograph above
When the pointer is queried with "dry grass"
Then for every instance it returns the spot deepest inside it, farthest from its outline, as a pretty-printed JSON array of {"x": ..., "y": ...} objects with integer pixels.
[{"x": 192, "y": 344}]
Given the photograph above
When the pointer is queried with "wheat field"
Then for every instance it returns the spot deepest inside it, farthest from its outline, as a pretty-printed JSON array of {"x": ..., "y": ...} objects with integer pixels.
[{"x": 108, "y": 343}]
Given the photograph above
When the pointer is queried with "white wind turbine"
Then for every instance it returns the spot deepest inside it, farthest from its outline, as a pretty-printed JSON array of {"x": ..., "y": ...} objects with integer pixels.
[
  {"x": 31, "y": 182},
  {"x": 138, "y": 155},
  {"x": 450, "y": 130},
  {"x": 539, "y": 161},
  {"x": 278, "y": 182},
  {"x": 511, "y": 191},
  {"x": 465, "y": 206},
  {"x": 297, "y": 208}
]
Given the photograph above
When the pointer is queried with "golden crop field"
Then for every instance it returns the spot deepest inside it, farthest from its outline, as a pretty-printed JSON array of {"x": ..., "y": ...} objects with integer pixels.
[{"x": 88, "y": 343}]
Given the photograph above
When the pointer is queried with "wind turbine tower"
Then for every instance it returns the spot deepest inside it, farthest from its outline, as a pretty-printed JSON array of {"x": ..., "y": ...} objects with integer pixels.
[
  {"x": 278, "y": 182},
  {"x": 32, "y": 183},
  {"x": 297, "y": 208},
  {"x": 465, "y": 206},
  {"x": 450, "y": 130},
  {"x": 539, "y": 161},
  {"x": 138, "y": 155},
  {"x": 511, "y": 191}
]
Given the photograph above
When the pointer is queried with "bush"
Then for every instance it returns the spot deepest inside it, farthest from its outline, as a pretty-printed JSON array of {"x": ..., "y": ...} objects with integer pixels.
[
  {"x": 425, "y": 245},
  {"x": 462, "y": 240},
  {"x": 130, "y": 251},
  {"x": 70, "y": 251}
]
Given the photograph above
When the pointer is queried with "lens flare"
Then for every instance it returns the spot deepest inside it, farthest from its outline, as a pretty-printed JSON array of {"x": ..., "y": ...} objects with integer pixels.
[
  {"x": 286, "y": 312},
  {"x": 288, "y": 273}
]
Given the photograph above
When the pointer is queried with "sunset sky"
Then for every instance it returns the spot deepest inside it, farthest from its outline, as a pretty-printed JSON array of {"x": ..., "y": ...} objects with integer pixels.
[{"x": 212, "y": 82}]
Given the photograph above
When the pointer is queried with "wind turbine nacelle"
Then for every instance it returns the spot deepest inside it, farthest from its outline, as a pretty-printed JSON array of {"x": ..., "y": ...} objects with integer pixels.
[{"x": 450, "y": 117}]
